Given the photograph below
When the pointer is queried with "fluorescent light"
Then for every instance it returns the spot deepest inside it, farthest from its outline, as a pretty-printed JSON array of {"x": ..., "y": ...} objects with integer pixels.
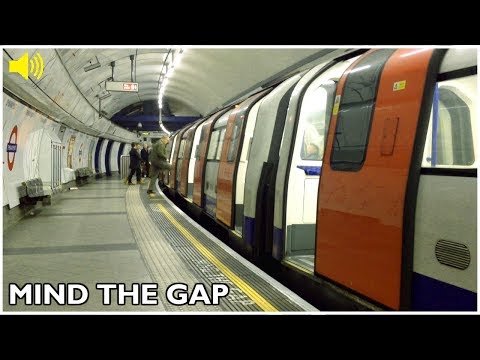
[
  {"x": 165, "y": 130},
  {"x": 91, "y": 67}
]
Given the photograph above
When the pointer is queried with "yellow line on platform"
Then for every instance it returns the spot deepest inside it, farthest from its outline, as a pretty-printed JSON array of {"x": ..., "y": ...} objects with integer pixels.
[{"x": 263, "y": 303}]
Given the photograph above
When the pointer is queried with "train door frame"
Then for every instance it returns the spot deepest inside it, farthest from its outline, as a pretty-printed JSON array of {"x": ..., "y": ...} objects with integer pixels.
[
  {"x": 290, "y": 154},
  {"x": 179, "y": 160},
  {"x": 200, "y": 163},
  {"x": 170, "y": 147},
  {"x": 229, "y": 160},
  {"x": 193, "y": 160},
  {"x": 210, "y": 202},
  {"x": 261, "y": 170},
  {"x": 190, "y": 134},
  {"x": 176, "y": 148}
]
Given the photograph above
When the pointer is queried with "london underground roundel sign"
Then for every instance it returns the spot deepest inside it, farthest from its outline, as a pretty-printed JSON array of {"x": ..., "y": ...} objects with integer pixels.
[{"x": 12, "y": 148}]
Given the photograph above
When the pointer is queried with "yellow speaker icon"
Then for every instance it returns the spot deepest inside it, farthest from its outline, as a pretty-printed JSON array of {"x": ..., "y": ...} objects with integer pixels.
[{"x": 21, "y": 66}]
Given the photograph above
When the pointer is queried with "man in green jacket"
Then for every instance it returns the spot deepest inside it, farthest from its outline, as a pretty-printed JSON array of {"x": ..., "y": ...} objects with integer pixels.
[{"x": 158, "y": 159}]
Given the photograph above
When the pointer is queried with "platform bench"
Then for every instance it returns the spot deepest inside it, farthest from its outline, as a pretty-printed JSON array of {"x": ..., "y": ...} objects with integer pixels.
[
  {"x": 82, "y": 175},
  {"x": 34, "y": 190}
]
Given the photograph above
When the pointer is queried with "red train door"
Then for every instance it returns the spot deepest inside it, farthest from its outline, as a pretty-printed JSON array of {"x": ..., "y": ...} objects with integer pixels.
[
  {"x": 367, "y": 192},
  {"x": 229, "y": 159}
]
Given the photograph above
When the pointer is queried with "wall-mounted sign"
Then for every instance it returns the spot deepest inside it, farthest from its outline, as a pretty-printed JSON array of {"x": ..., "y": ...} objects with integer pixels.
[
  {"x": 12, "y": 147},
  {"x": 121, "y": 86}
]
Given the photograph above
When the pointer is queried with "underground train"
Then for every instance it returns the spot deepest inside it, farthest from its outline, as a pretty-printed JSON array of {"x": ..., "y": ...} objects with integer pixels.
[{"x": 357, "y": 177}]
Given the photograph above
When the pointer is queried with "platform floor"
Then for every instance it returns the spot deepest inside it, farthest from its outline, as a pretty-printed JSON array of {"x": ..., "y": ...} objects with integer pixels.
[{"x": 109, "y": 232}]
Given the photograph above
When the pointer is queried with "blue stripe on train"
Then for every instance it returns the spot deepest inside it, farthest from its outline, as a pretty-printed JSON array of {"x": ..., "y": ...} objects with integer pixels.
[
  {"x": 248, "y": 236},
  {"x": 429, "y": 294},
  {"x": 310, "y": 170},
  {"x": 277, "y": 251},
  {"x": 248, "y": 230}
]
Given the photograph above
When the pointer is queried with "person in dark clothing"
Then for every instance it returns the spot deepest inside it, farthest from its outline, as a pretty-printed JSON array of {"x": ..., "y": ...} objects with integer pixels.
[
  {"x": 145, "y": 163},
  {"x": 158, "y": 158},
  {"x": 135, "y": 162}
]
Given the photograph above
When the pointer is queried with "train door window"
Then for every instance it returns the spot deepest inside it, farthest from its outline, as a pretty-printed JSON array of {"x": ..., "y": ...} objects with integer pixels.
[
  {"x": 357, "y": 105},
  {"x": 220, "y": 143},
  {"x": 202, "y": 139},
  {"x": 182, "y": 148},
  {"x": 316, "y": 111},
  {"x": 169, "y": 148},
  {"x": 173, "y": 143},
  {"x": 450, "y": 141},
  {"x": 235, "y": 139},
  {"x": 212, "y": 149}
]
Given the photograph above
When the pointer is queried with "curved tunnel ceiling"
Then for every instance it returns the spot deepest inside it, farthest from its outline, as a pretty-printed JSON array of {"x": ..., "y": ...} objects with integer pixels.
[{"x": 205, "y": 79}]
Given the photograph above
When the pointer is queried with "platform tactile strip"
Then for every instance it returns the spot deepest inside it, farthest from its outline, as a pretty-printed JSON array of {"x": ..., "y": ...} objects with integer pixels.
[
  {"x": 197, "y": 259},
  {"x": 162, "y": 262}
]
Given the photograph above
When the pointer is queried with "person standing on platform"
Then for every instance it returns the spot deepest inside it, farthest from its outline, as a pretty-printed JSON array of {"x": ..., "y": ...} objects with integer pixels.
[
  {"x": 158, "y": 159},
  {"x": 145, "y": 162},
  {"x": 135, "y": 162}
]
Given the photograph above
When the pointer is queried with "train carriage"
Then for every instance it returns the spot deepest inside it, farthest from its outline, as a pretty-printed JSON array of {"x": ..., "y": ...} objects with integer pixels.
[{"x": 358, "y": 174}]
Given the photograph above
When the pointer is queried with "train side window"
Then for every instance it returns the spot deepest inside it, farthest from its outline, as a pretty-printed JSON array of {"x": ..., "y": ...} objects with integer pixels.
[
  {"x": 450, "y": 141},
  {"x": 202, "y": 139},
  {"x": 220, "y": 143},
  {"x": 357, "y": 105},
  {"x": 316, "y": 111},
  {"x": 212, "y": 149},
  {"x": 234, "y": 142}
]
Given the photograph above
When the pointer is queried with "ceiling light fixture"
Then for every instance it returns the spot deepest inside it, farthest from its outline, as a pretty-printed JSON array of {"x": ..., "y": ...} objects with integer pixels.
[
  {"x": 92, "y": 66},
  {"x": 164, "y": 129}
]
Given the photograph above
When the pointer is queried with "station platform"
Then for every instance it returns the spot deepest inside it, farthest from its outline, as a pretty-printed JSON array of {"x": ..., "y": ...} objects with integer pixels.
[{"x": 106, "y": 232}]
